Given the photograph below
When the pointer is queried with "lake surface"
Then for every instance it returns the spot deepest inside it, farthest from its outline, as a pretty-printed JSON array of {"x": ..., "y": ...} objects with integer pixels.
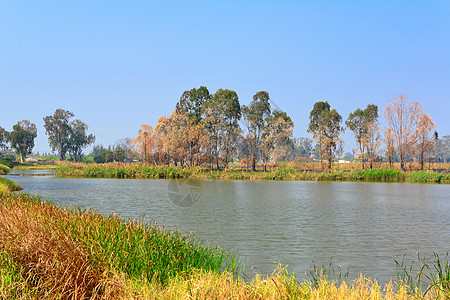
[{"x": 364, "y": 225}]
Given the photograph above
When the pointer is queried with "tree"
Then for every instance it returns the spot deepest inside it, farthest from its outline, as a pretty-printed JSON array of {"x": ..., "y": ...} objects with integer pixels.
[
  {"x": 221, "y": 119},
  {"x": 22, "y": 138},
  {"x": 424, "y": 136},
  {"x": 389, "y": 142},
  {"x": 4, "y": 138},
  {"x": 78, "y": 139},
  {"x": 192, "y": 103},
  {"x": 58, "y": 130},
  {"x": 372, "y": 140},
  {"x": 325, "y": 126},
  {"x": 403, "y": 118},
  {"x": 277, "y": 137},
  {"x": 255, "y": 117},
  {"x": 356, "y": 123},
  {"x": 303, "y": 147},
  {"x": 364, "y": 125},
  {"x": 144, "y": 142},
  {"x": 172, "y": 136}
]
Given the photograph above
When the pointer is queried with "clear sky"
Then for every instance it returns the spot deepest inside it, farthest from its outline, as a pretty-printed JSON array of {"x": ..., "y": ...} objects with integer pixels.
[{"x": 120, "y": 64}]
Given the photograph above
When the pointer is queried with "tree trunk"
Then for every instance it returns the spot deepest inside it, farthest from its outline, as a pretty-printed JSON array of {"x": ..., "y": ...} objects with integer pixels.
[{"x": 421, "y": 160}]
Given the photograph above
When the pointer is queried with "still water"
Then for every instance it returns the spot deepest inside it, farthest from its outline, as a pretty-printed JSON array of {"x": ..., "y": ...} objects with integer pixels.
[{"x": 364, "y": 225}]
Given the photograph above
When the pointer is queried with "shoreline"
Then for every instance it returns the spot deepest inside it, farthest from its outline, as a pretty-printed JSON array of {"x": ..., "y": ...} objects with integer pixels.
[{"x": 281, "y": 173}]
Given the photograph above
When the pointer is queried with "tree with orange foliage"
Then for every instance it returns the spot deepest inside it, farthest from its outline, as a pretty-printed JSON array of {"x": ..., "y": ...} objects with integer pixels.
[
  {"x": 403, "y": 118},
  {"x": 424, "y": 136},
  {"x": 389, "y": 142},
  {"x": 145, "y": 142}
]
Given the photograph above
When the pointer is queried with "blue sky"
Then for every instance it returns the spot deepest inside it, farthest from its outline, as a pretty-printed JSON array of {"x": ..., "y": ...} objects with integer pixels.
[{"x": 120, "y": 64}]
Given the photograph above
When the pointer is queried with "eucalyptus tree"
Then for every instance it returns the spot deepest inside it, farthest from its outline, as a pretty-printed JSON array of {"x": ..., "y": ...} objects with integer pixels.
[
  {"x": 255, "y": 117},
  {"x": 364, "y": 125},
  {"x": 58, "y": 130},
  {"x": 325, "y": 126},
  {"x": 78, "y": 139},
  {"x": 192, "y": 103},
  {"x": 277, "y": 137},
  {"x": 22, "y": 138},
  {"x": 4, "y": 138},
  {"x": 221, "y": 120},
  {"x": 303, "y": 147}
]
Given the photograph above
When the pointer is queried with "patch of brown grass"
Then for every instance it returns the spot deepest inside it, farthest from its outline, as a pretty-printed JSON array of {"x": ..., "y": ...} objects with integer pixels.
[{"x": 52, "y": 263}]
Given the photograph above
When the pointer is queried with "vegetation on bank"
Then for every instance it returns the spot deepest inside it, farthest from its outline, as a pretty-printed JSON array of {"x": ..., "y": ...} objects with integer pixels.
[
  {"x": 75, "y": 253},
  {"x": 4, "y": 169},
  {"x": 51, "y": 252},
  {"x": 7, "y": 186},
  {"x": 35, "y": 167},
  {"x": 121, "y": 170}
]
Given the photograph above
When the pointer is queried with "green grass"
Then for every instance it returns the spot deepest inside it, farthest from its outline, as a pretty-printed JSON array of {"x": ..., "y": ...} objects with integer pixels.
[
  {"x": 428, "y": 177},
  {"x": 4, "y": 169},
  {"x": 422, "y": 276},
  {"x": 7, "y": 185}
]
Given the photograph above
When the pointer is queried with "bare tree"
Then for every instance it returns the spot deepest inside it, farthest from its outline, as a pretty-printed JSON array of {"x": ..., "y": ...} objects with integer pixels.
[{"x": 403, "y": 118}]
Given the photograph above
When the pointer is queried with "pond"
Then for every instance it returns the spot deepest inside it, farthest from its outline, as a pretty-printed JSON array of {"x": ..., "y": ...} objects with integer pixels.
[{"x": 364, "y": 225}]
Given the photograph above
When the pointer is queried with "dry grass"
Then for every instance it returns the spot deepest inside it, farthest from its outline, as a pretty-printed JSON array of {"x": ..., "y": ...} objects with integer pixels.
[
  {"x": 279, "y": 285},
  {"x": 54, "y": 266}
]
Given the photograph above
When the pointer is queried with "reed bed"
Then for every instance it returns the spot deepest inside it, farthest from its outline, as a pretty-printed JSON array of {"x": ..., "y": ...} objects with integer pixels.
[
  {"x": 52, "y": 252},
  {"x": 121, "y": 170}
]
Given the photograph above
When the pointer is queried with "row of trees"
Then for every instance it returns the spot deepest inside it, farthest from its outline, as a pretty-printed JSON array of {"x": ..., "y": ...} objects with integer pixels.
[
  {"x": 64, "y": 136},
  {"x": 409, "y": 130},
  {"x": 204, "y": 129}
]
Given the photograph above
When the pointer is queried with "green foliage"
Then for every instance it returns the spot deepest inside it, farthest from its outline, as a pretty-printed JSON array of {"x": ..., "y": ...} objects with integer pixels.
[
  {"x": 58, "y": 130},
  {"x": 192, "y": 102},
  {"x": 4, "y": 169},
  {"x": 428, "y": 276},
  {"x": 428, "y": 177},
  {"x": 325, "y": 126},
  {"x": 4, "y": 138},
  {"x": 78, "y": 139},
  {"x": 326, "y": 272},
  {"x": 8, "y": 160},
  {"x": 22, "y": 138},
  {"x": 377, "y": 175},
  {"x": 7, "y": 185},
  {"x": 255, "y": 117}
]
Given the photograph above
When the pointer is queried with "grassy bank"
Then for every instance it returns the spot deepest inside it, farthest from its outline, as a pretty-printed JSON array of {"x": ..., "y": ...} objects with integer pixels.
[
  {"x": 70, "y": 252},
  {"x": 49, "y": 252},
  {"x": 117, "y": 170},
  {"x": 35, "y": 167},
  {"x": 7, "y": 186},
  {"x": 4, "y": 169}
]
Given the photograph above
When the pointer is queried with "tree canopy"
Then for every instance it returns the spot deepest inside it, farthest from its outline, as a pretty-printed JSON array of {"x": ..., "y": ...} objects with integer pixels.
[
  {"x": 325, "y": 126},
  {"x": 22, "y": 138}
]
